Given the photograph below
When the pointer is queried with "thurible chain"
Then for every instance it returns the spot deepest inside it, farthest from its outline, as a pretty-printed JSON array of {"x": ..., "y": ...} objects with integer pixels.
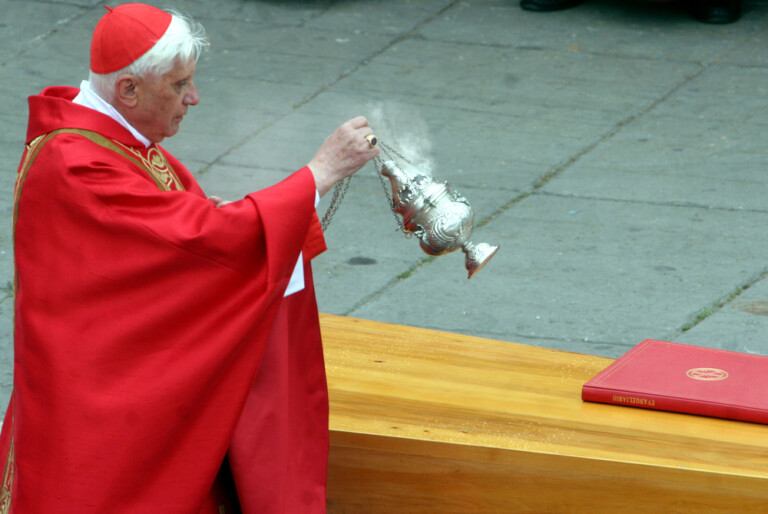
[{"x": 341, "y": 187}]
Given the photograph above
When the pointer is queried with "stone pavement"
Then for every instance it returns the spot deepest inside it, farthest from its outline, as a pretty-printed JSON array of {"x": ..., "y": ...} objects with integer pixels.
[{"x": 616, "y": 151}]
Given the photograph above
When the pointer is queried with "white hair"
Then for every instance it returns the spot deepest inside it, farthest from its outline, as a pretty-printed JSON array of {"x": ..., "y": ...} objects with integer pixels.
[{"x": 184, "y": 39}]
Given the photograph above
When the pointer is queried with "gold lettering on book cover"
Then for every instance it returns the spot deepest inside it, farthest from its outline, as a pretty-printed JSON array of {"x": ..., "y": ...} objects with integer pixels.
[
  {"x": 707, "y": 374},
  {"x": 634, "y": 400}
]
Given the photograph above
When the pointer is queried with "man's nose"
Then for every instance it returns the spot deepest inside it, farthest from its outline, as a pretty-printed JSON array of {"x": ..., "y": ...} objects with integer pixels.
[{"x": 193, "y": 96}]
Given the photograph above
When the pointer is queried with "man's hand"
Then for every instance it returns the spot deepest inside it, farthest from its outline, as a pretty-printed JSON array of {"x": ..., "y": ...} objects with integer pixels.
[
  {"x": 218, "y": 202},
  {"x": 342, "y": 154}
]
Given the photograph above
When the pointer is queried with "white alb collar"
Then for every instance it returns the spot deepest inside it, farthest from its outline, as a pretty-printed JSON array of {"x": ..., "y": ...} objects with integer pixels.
[{"x": 89, "y": 98}]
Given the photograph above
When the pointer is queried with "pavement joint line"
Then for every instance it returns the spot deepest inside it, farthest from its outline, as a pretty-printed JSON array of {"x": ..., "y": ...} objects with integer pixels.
[
  {"x": 534, "y": 48},
  {"x": 718, "y": 305},
  {"x": 758, "y": 31},
  {"x": 325, "y": 87},
  {"x": 538, "y": 48},
  {"x": 547, "y": 177},
  {"x": 375, "y": 294},
  {"x": 723, "y": 61},
  {"x": 556, "y": 171},
  {"x": 42, "y": 37},
  {"x": 691, "y": 205}
]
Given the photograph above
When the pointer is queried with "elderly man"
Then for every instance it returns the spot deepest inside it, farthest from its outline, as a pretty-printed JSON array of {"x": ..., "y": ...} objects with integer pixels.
[{"x": 167, "y": 348}]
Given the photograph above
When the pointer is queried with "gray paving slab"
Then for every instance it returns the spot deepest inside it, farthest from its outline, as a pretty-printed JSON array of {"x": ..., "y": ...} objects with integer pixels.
[
  {"x": 662, "y": 158},
  {"x": 738, "y": 325},
  {"x": 523, "y": 82},
  {"x": 647, "y": 30},
  {"x": 28, "y": 24},
  {"x": 615, "y": 151},
  {"x": 260, "y": 14},
  {"x": 751, "y": 52},
  {"x": 740, "y": 91},
  {"x": 596, "y": 277},
  {"x": 371, "y": 17},
  {"x": 366, "y": 243}
]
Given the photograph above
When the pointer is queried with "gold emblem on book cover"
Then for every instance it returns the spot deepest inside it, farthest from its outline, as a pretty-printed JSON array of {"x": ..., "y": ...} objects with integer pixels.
[{"x": 707, "y": 374}]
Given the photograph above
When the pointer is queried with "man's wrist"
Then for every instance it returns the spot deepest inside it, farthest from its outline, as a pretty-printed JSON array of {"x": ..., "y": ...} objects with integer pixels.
[{"x": 322, "y": 184}]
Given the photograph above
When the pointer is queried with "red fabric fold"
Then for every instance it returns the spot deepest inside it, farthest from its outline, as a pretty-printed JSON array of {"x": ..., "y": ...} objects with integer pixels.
[{"x": 142, "y": 318}]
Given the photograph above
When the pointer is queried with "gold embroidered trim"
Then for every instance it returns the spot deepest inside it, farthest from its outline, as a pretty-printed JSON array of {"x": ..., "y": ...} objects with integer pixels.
[
  {"x": 154, "y": 164},
  {"x": 7, "y": 486},
  {"x": 157, "y": 166},
  {"x": 29, "y": 155}
]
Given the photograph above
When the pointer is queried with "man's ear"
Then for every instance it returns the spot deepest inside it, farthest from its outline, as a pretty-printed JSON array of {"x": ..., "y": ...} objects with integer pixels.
[{"x": 126, "y": 90}]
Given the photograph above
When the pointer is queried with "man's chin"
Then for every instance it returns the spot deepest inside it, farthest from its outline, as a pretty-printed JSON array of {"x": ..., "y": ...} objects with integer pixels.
[{"x": 170, "y": 133}]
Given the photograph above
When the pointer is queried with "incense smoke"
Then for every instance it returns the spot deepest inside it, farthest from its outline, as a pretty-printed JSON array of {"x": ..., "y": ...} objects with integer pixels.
[{"x": 402, "y": 128}]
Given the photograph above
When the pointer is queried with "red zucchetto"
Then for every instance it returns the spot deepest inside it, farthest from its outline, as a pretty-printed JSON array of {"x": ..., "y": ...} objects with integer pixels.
[{"x": 124, "y": 34}]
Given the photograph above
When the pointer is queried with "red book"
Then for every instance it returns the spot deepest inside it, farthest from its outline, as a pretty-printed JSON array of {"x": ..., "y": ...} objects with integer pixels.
[{"x": 683, "y": 378}]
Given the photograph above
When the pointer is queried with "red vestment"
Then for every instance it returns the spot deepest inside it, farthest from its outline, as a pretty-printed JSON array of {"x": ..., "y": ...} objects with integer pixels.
[{"x": 152, "y": 338}]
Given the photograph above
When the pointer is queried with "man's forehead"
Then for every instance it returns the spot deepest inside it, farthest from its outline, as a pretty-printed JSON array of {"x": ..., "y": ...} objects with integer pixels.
[{"x": 182, "y": 69}]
